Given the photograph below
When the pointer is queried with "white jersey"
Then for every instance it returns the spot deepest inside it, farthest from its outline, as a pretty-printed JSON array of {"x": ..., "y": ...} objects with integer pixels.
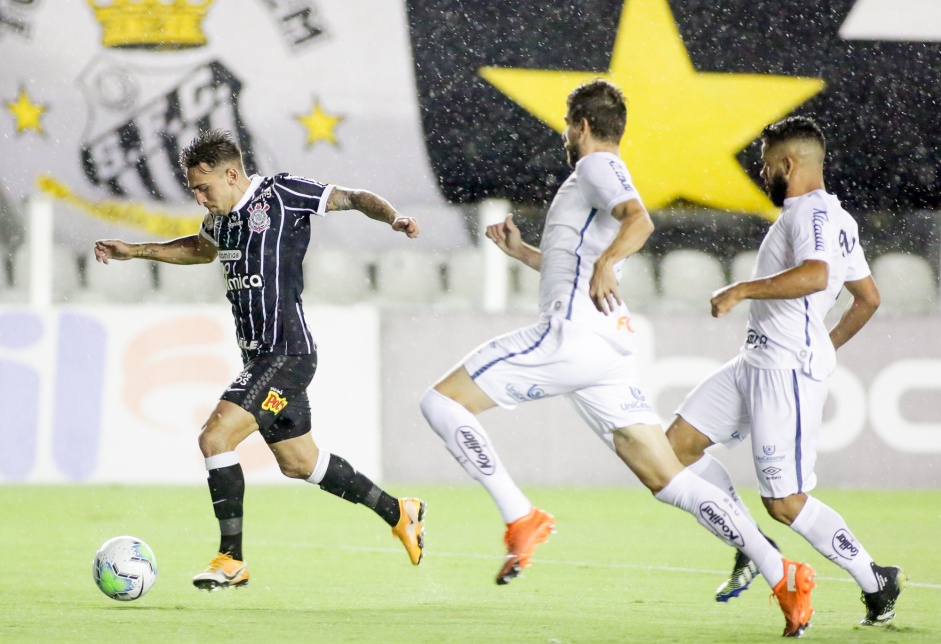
[
  {"x": 790, "y": 334},
  {"x": 579, "y": 227}
]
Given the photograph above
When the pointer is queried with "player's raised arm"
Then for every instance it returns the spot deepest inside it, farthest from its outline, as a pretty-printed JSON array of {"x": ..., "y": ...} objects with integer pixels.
[
  {"x": 804, "y": 279},
  {"x": 193, "y": 249},
  {"x": 508, "y": 239},
  {"x": 636, "y": 227},
  {"x": 374, "y": 207}
]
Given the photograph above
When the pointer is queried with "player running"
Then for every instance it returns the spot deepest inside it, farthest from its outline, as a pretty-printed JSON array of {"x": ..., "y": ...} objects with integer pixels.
[
  {"x": 259, "y": 229},
  {"x": 583, "y": 347},
  {"x": 775, "y": 389}
]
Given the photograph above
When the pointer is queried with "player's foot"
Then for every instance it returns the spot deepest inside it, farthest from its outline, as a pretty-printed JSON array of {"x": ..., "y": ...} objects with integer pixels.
[
  {"x": 410, "y": 529},
  {"x": 222, "y": 572},
  {"x": 744, "y": 571},
  {"x": 521, "y": 538},
  {"x": 793, "y": 595},
  {"x": 880, "y": 605}
]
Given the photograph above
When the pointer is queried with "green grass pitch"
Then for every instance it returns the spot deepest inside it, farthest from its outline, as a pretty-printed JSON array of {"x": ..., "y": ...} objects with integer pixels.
[{"x": 621, "y": 568}]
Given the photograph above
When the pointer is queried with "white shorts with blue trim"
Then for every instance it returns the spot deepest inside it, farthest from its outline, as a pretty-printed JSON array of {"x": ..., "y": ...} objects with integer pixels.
[
  {"x": 781, "y": 409},
  {"x": 558, "y": 357}
]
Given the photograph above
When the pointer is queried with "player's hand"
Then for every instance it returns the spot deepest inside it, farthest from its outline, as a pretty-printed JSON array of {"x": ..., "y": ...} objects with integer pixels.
[
  {"x": 106, "y": 249},
  {"x": 506, "y": 236},
  {"x": 603, "y": 288},
  {"x": 725, "y": 299},
  {"x": 407, "y": 225}
]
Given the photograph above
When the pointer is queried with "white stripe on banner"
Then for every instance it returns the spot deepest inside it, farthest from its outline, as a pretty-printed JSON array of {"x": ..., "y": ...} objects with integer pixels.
[{"x": 900, "y": 20}]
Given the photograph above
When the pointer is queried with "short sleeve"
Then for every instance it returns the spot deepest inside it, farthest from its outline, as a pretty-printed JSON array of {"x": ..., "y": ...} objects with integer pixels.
[
  {"x": 303, "y": 196},
  {"x": 810, "y": 228},
  {"x": 857, "y": 267},
  {"x": 208, "y": 229},
  {"x": 604, "y": 181}
]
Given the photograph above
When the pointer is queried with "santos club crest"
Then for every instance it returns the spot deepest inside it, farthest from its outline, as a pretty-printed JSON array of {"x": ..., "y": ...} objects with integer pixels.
[{"x": 141, "y": 117}]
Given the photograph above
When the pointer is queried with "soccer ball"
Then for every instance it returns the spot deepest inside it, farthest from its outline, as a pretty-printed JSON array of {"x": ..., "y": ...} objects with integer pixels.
[{"x": 124, "y": 568}]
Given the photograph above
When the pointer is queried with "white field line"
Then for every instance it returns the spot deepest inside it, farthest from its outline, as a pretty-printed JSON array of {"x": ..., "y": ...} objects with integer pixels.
[{"x": 588, "y": 564}]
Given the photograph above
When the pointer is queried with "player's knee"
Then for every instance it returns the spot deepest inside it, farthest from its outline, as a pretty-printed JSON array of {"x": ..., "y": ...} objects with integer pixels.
[
  {"x": 296, "y": 469},
  {"x": 778, "y": 513},
  {"x": 785, "y": 510},
  {"x": 212, "y": 441},
  {"x": 434, "y": 407},
  {"x": 687, "y": 443}
]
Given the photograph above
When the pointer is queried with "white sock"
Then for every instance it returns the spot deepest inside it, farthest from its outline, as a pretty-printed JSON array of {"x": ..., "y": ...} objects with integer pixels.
[
  {"x": 711, "y": 469},
  {"x": 467, "y": 441},
  {"x": 826, "y": 531},
  {"x": 225, "y": 459},
  {"x": 320, "y": 467},
  {"x": 718, "y": 513}
]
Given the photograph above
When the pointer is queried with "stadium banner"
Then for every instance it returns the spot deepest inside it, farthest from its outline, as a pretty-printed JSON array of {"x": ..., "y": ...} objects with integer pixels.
[
  {"x": 98, "y": 98},
  {"x": 882, "y": 422},
  {"x": 119, "y": 394},
  {"x": 701, "y": 80},
  {"x": 415, "y": 99}
]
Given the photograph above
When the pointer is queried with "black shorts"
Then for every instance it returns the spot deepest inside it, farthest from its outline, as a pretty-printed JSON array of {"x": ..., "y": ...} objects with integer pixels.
[{"x": 273, "y": 389}]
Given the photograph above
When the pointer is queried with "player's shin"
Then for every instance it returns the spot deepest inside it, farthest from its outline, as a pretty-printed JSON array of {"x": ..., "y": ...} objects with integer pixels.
[
  {"x": 227, "y": 489},
  {"x": 467, "y": 441},
  {"x": 710, "y": 469},
  {"x": 335, "y": 475},
  {"x": 721, "y": 516},
  {"x": 827, "y": 532}
]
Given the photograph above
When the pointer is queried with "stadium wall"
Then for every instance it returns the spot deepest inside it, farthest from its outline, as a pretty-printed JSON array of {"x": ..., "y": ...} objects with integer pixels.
[
  {"x": 882, "y": 421},
  {"x": 118, "y": 394}
]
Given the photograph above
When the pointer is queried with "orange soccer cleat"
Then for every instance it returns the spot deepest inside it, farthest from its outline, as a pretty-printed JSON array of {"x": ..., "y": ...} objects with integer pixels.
[
  {"x": 521, "y": 538},
  {"x": 793, "y": 595},
  {"x": 410, "y": 529}
]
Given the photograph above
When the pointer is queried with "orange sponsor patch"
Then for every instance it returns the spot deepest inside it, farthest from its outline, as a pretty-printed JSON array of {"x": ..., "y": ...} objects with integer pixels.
[
  {"x": 624, "y": 322},
  {"x": 274, "y": 403}
]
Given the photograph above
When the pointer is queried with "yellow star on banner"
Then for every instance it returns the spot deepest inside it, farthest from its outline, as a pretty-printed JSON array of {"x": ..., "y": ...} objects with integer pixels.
[
  {"x": 685, "y": 127},
  {"x": 320, "y": 125},
  {"x": 26, "y": 113}
]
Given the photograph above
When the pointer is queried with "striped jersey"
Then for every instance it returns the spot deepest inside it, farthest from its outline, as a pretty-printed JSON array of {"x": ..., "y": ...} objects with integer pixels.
[
  {"x": 792, "y": 334},
  {"x": 261, "y": 246},
  {"x": 578, "y": 228}
]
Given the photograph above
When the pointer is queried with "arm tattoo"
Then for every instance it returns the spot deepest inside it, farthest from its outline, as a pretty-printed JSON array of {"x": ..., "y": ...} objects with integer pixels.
[
  {"x": 340, "y": 200},
  {"x": 372, "y": 205}
]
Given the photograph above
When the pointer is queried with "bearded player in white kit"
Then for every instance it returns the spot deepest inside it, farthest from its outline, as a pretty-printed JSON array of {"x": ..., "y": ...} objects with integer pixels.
[
  {"x": 582, "y": 347},
  {"x": 775, "y": 389}
]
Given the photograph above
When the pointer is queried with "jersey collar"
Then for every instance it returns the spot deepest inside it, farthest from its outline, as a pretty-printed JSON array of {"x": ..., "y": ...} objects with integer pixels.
[
  {"x": 790, "y": 201},
  {"x": 256, "y": 180}
]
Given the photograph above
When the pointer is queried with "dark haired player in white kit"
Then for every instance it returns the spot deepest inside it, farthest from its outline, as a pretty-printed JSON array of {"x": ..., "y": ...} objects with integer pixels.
[
  {"x": 259, "y": 229},
  {"x": 775, "y": 389}
]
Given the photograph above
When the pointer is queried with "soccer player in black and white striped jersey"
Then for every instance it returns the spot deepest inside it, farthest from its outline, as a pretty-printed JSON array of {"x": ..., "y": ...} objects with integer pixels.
[{"x": 259, "y": 229}]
